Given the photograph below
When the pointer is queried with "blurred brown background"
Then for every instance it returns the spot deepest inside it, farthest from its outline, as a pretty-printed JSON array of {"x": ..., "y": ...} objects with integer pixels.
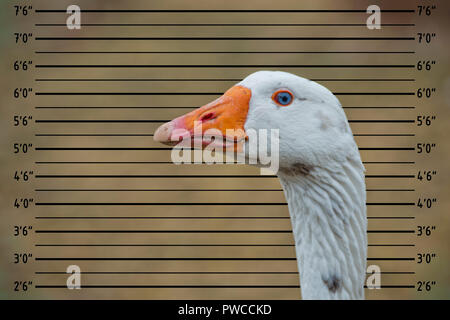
[{"x": 10, "y": 189}]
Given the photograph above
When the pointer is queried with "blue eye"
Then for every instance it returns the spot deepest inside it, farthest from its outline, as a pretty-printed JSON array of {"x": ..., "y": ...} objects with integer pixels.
[{"x": 283, "y": 97}]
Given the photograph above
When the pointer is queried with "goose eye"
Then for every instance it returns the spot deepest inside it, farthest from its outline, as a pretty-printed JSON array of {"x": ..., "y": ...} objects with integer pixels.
[{"x": 283, "y": 97}]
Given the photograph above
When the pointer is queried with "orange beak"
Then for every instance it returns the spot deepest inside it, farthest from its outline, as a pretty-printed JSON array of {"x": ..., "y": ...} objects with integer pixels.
[{"x": 229, "y": 112}]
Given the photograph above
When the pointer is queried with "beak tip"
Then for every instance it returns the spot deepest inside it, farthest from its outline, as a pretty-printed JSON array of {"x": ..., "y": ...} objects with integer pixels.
[{"x": 163, "y": 133}]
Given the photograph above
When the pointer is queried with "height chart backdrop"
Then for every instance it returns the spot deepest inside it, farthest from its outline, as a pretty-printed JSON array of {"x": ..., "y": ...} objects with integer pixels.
[{"x": 83, "y": 182}]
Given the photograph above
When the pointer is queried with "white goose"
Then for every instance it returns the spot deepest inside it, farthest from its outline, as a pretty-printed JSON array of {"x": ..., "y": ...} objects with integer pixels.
[{"x": 320, "y": 170}]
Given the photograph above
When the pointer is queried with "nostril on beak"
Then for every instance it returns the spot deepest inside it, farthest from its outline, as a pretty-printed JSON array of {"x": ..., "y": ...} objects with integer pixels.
[
  {"x": 208, "y": 116},
  {"x": 163, "y": 133}
]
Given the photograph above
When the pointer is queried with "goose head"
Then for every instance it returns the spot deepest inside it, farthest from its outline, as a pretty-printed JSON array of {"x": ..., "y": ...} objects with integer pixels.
[
  {"x": 311, "y": 126},
  {"x": 319, "y": 168}
]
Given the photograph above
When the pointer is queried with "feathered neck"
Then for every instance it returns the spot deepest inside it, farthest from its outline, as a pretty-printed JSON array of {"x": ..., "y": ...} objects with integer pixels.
[{"x": 328, "y": 216}]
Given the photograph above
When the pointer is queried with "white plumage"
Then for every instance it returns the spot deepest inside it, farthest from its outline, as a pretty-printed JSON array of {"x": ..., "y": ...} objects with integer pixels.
[{"x": 320, "y": 170}]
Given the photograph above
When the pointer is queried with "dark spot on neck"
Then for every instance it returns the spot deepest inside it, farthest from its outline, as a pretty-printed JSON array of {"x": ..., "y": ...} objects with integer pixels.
[
  {"x": 333, "y": 283},
  {"x": 297, "y": 169}
]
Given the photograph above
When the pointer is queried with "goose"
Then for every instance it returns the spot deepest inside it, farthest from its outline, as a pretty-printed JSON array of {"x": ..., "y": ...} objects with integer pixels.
[{"x": 320, "y": 171}]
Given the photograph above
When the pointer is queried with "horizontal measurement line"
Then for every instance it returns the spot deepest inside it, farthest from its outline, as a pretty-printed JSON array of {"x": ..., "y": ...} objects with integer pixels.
[
  {"x": 199, "y": 286},
  {"x": 193, "y": 259},
  {"x": 207, "y": 80},
  {"x": 382, "y": 121},
  {"x": 163, "y": 231},
  {"x": 169, "y": 162},
  {"x": 393, "y": 217},
  {"x": 161, "y": 259},
  {"x": 127, "y": 93},
  {"x": 164, "y": 245},
  {"x": 158, "y": 80},
  {"x": 389, "y": 148},
  {"x": 199, "y": 231},
  {"x": 199, "y": 245},
  {"x": 99, "y": 121},
  {"x": 130, "y": 107},
  {"x": 107, "y": 162},
  {"x": 202, "y": 93},
  {"x": 390, "y": 259},
  {"x": 115, "y": 107},
  {"x": 224, "y": 38},
  {"x": 225, "y": 52},
  {"x": 93, "y": 135},
  {"x": 99, "y": 149},
  {"x": 225, "y": 66},
  {"x": 165, "y": 120},
  {"x": 160, "y": 204},
  {"x": 379, "y": 107},
  {"x": 158, "y": 218},
  {"x": 173, "y": 287},
  {"x": 198, "y": 204},
  {"x": 389, "y": 190},
  {"x": 183, "y": 217},
  {"x": 384, "y": 134},
  {"x": 225, "y": 25},
  {"x": 407, "y": 176},
  {"x": 48, "y": 176},
  {"x": 374, "y": 93},
  {"x": 149, "y": 190},
  {"x": 389, "y": 162},
  {"x": 390, "y": 231},
  {"x": 391, "y": 245},
  {"x": 224, "y": 11},
  {"x": 390, "y": 204},
  {"x": 170, "y": 148},
  {"x": 192, "y": 190},
  {"x": 153, "y": 176},
  {"x": 180, "y": 272}
]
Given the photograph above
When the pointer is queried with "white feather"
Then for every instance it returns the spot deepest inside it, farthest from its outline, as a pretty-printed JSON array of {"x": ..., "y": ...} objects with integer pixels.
[{"x": 326, "y": 204}]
